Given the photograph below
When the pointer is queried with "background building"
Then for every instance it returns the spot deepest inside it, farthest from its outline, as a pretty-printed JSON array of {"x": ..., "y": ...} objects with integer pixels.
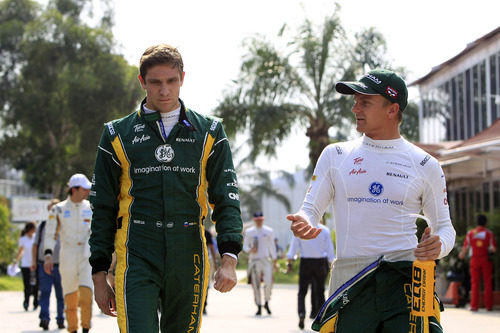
[{"x": 460, "y": 125}]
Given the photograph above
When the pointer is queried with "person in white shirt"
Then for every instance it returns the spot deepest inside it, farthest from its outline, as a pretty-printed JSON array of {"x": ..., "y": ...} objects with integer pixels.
[
  {"x": 259, "y": 243},
  {"x": 25, "y": 255},
  {"x": 377, "y": 183},
  {"x": 70, "y": 221},
  {"x": 316, "y": 256}
]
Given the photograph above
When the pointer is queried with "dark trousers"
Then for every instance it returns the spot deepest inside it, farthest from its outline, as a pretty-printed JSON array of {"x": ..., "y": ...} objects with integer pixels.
[
  {"x": 312, "y": 271},
  {"x": 29, "y": 289},
  {"x": 46, "y": 282}
]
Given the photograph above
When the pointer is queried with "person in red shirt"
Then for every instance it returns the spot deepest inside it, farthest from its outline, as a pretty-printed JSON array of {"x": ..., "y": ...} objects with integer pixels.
[{"x": 481, "y": 242}]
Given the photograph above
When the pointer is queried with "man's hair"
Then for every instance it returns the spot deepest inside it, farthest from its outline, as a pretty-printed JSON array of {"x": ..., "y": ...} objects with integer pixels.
[
  {"x": 70, "y": 190},
  {"x": 482, "y": 220},
  {"x": 161, "y": 54}
]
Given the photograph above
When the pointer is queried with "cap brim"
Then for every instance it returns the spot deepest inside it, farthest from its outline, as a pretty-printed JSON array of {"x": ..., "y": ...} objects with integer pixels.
[{"x": 350, "y": 88}]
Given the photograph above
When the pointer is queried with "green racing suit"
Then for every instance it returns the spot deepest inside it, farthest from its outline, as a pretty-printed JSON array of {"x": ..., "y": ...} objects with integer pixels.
[{"x": 150, "y": 196}]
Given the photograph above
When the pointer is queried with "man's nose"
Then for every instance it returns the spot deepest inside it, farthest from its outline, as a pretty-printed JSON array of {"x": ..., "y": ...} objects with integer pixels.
[
  {"x": 355, "y": 108},
  {"x": 164, "y": 90}
]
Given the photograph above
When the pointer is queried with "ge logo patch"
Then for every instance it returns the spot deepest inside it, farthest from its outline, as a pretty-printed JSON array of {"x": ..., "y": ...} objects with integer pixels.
[
  {"x": 164, "y": 153},
  {"x": 376, "y": 189}
]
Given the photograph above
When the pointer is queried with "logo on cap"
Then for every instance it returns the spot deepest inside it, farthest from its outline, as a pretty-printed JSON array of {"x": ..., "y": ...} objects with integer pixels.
[
  {"x": 362, "y": 85},
  {"x": 373, "y": 78},
  {"x": 391, "y": 91}
]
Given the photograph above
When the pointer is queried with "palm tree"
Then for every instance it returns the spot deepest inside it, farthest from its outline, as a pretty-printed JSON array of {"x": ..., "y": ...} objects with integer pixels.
[{"x": 279, "y": 88}]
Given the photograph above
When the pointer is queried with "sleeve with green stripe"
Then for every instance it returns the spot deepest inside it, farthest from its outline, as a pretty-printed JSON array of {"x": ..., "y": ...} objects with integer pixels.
[
  {"x": 103, "y": 198},
  {"x": 223, "y": 194}
]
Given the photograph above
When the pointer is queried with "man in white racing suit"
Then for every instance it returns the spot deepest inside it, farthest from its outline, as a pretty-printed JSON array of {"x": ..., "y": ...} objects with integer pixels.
[
  {"x": 71, "y": 220},
  {"x": 259, "y": 243},
  {"x": 377, "y": 183}
]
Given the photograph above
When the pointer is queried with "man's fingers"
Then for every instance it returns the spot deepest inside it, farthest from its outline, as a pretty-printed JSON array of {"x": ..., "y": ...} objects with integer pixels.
[
  {"x": 108, "y": 307},
  {"x": 428, "y": 249},
  {"x": 224, "y": 285},
  {"x": 312, "y": 233},
  {"x": 300, "y": 227},
  {"x": 430, "y": 241},
  {"x": 112, "y": 309},
  {"x": 426, "y": 234},
  {"x": 304, "y": 230}
]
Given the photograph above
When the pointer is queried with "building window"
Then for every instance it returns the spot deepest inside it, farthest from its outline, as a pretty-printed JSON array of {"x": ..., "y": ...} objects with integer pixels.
[
  {"x": 494, "y": 91},
  {"x": 448, "y": 114},
  {"x": 476, "y": 110},
  {"x": 496, "y": 195},
  {"x": 455, "y": 115},
  {"x": 486, "y": 197},
  {"x": 484, "y": 109},
  {"x": 469, "y": 108}
]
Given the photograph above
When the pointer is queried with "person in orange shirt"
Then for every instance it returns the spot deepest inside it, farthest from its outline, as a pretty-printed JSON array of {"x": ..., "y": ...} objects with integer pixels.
[{"x": 481, "y": 243}]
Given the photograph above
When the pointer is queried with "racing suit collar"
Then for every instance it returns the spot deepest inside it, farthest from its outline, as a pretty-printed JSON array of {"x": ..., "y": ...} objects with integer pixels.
[{"x": 155, "y": 116}]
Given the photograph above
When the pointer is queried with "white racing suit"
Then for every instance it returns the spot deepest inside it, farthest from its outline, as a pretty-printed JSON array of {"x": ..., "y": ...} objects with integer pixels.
[
  {"x": 261, "y": 268},
  {"x": 260, "y": 264},
  {"x": 72, "y": 222}
]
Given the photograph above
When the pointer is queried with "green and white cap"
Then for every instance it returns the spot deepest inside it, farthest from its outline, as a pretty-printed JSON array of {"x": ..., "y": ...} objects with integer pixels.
[{"x": 378, "y": 82}]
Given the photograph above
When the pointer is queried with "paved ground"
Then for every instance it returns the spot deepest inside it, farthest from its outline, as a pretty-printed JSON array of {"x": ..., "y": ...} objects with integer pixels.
[{"x": 234, "y": 312}]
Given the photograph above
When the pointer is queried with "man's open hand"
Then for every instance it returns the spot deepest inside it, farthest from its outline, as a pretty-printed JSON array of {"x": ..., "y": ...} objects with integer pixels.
[{"x": 301, "y": 228}]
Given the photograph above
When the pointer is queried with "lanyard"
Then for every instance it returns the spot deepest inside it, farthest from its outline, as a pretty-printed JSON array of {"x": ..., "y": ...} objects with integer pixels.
[{"x": 162, "y": 129}]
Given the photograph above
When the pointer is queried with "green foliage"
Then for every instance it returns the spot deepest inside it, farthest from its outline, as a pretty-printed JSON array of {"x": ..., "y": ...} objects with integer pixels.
[
  {"x": 280, "y": 275},
  {"x": 409, "y": 127},
  {"x": 494, "y": 226},
  {"x": 8, "y": 238},
  {"x": 11, "y": 283},
  {"x": 292, "y": 83},
  {"x": 64, "y": 85}
]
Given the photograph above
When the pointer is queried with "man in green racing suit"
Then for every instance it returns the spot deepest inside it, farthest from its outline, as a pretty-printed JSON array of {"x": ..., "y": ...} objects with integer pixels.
[{"x": 156, "y": 172}]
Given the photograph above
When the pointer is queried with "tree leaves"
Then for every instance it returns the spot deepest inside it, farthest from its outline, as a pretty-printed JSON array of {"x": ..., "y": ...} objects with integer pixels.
[
  {"x": 279, "y": 88},
  {"x": 66, "y": 84},
  {"x": 292, "y": 81}
]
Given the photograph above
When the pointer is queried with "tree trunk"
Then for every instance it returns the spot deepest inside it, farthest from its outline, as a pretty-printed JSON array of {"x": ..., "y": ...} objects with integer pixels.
[{"x": 318, "y": 139}]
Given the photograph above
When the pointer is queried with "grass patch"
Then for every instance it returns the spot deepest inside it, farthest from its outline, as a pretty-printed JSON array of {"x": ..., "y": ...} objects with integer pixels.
[
  {"x": 11, "y": 283},
  {"x": 281, "y": 275}
]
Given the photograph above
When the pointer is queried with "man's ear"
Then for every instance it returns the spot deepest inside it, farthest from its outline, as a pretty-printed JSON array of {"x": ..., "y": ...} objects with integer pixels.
[
  {"x": 393, "y": 110},
  {"x": 182, "y": 78},
  {"x": 141, "y": 80}
]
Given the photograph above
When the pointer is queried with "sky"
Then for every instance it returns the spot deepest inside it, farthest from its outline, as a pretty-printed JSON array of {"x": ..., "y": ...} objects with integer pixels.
[{"x": 210, "y": 34}]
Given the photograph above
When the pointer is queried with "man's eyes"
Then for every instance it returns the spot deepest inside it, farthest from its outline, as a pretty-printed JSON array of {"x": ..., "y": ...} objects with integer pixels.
[{"x": 169, "y": 81}]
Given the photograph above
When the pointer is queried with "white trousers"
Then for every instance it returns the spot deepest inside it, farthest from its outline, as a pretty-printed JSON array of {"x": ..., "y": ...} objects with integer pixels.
[
  {"x": 75, "y": 269},
  {"x": 261, "y": 270}
]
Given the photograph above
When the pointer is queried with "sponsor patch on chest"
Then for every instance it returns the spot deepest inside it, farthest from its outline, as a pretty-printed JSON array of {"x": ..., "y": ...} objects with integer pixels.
[{"x": 164, "y": 153}]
